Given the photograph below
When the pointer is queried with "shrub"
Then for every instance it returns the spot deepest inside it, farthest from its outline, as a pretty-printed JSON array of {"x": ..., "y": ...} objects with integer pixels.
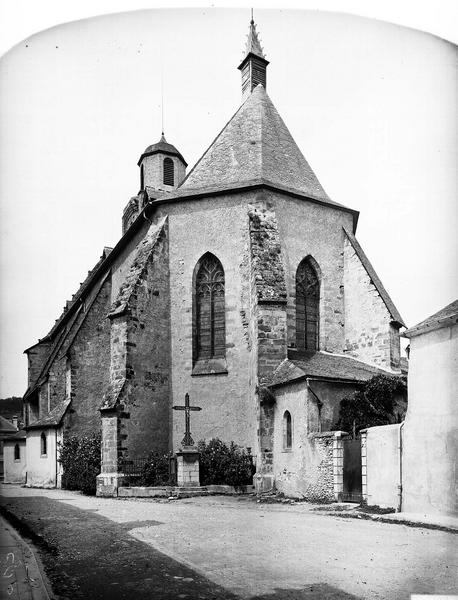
[
  {"x": 80, "y": 460},
  {"x": 156, "y": 470},
  {"x": 224, "y": 464},
  {"x": 375, "y": 404}
]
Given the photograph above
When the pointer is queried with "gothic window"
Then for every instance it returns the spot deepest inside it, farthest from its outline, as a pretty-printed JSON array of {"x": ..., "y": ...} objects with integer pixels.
[
  {"x": 307, "y": 306},
  {"x": 169, "y": 172},
  {"x": 17, "y": 452},
  {"x": 43, "y": 444},
  {"x": 287, "y": 431},
  {"x": 209, "y": 310}
]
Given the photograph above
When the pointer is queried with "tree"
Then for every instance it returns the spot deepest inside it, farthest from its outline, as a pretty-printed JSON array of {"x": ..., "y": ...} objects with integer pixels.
[{"x": 375, "y": 404}]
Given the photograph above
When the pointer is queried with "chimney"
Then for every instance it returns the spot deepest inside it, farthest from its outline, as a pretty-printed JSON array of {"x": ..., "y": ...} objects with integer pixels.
[{"x": 14, "y": 422}]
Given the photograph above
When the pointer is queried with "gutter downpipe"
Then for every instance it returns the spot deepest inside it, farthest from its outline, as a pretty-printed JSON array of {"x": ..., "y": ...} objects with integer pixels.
[
  {"x": 400, "y": 467},
  {"x": 319, "y": 403}
]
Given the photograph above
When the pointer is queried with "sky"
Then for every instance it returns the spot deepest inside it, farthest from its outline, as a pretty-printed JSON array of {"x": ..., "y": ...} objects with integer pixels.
[{"x": 371, "y": 105}]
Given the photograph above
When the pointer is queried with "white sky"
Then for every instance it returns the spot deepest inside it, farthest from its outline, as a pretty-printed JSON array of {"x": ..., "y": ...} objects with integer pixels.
[{"x": 371, "y": 105}]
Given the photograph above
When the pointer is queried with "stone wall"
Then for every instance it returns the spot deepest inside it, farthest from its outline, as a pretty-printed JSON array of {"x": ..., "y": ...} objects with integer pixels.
[
  {"x": 89, "y": 357},
  {"x": 218, "y": 225},
  {"x": 308, "y": 229},
  {"x": 370, "y": 335},
  {"x": 36, "y": 357},
  {"x": 148, "y": 358},
  {"x": 153, "y": 170}
]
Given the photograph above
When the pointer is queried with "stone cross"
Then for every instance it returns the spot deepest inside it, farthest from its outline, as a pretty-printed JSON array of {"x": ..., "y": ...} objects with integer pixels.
[{"x": 187, "y": 440}]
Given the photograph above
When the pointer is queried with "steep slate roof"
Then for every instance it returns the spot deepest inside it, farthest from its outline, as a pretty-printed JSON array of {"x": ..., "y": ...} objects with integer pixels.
[
  {"x": 443, "y": 318},
  {"x": 52, "y": 419},
  {"x": 323, "y": 365},
  {"x": 255, "y": 146},
  {"x": 394, "y": 313},
  {"x": 19, "y": 435}
]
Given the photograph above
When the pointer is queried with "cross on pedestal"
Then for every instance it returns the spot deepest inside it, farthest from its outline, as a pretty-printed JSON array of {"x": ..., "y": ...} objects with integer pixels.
[{"x": 187, "y": 440}]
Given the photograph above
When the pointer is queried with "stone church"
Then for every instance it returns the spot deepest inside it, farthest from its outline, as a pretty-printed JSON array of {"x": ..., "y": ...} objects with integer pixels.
[{"x": 239, "y": 282}]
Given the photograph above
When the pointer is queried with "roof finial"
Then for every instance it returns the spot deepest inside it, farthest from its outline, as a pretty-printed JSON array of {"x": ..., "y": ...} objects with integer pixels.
[{"x": 252, "y": 20}]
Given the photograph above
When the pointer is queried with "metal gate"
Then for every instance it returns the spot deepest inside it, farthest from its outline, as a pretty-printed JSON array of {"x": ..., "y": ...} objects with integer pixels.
[{"x": 352, "y": 481}]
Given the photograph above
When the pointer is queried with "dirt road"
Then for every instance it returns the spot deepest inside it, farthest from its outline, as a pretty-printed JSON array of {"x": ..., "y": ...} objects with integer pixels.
[{"x": 219, "y": 547}]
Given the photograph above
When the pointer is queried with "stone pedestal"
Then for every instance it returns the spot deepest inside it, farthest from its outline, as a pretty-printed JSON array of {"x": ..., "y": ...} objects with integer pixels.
[
  {"x": 108, "y": 484},
  {"x": 188, "y": 467}
]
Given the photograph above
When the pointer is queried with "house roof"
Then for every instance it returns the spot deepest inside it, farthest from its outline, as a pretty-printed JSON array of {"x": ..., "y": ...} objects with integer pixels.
[
  {"x": 323, "y": 365},
  {"x": 19, "y": 435},
  {"x": 394, "y": 313},
  {"x": 255, "y": 145},
  {"x": 6, "y": 426},
  {"x": 53, "y": 419},
  {"x": 443, "y": 318}
]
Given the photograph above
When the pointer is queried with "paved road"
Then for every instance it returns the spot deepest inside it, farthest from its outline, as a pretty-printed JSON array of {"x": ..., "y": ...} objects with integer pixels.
[{"x": 220, "y": 547}]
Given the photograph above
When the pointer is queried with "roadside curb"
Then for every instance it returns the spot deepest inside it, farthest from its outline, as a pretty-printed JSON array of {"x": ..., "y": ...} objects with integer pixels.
[
  {"x": 387, "y": 519},
  {"x": 23, "y": 570}
]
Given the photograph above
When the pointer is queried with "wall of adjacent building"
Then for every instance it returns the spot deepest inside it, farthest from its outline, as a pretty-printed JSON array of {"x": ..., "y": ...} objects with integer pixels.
[
  {"x": 430, "y": 433},
  {"x": 42, "y": 470},
  {"x": 15, "y": 470}
]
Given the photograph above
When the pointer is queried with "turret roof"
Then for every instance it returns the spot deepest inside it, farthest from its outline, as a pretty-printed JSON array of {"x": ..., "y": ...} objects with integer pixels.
[
  {"x": 255, "y": 145},
  {"x": 162, "y": 146}
]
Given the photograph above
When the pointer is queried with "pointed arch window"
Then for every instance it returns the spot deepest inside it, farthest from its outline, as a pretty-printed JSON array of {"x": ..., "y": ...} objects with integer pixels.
[
  {"x": 43, "y": 444},
  {"x": 209, "y": 309},
  {"x": 287, "y": 431},
  {"x": 307, "y": 307},
  {"x": 17, "y": 452},
  {"x": 169, "y": 172}
]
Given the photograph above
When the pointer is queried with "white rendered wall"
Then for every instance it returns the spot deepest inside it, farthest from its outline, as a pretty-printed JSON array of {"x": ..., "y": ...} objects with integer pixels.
[
  {"x": 42, "y": 469},
  {"x": 430, "y": 436},
  {"x": 14, "y": 469}
]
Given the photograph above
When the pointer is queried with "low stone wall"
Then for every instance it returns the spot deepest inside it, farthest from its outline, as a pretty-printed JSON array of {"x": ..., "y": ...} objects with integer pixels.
[
  {"x": 320, "y": 472},
  {"x": 169, "y": 491}
]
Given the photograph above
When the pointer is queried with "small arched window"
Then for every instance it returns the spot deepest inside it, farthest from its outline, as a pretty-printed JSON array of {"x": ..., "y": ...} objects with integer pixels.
[
  {"x": 17, "y": 452},
  {"x": 169, "y": 172},
  {"x": 142, "y": 177},
  {"x": 209, "y": 309},
  {"x": 44, "y": 444},
  {"x": 307, "y": 307},
  {"x": 287, "y": 431}
]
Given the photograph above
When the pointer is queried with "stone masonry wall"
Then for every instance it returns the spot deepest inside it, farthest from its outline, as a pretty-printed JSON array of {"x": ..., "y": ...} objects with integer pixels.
[
  {"x": 90, "y": 359},
  {"x": 154, "y": 171},
  {"x": 369, "y": 335},
  {"x": 36, "y": 358},
  {"x": 218, "y": 225},
  {"x": 148, "y": 358}
]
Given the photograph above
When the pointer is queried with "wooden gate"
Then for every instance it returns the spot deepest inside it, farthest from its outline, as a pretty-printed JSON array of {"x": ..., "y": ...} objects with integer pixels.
[{"x": 352, "y": 480}]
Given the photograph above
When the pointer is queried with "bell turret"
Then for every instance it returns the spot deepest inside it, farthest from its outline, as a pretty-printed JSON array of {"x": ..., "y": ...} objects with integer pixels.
[
  {"x": 162, "y": 167},
  {"x": 254, "y": 65}
]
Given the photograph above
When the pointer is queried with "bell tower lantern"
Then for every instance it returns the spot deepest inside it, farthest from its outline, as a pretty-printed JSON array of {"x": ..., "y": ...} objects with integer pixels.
[
  {"x": 254, "y": 65},
  {"x": 162, "y": 167}
]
